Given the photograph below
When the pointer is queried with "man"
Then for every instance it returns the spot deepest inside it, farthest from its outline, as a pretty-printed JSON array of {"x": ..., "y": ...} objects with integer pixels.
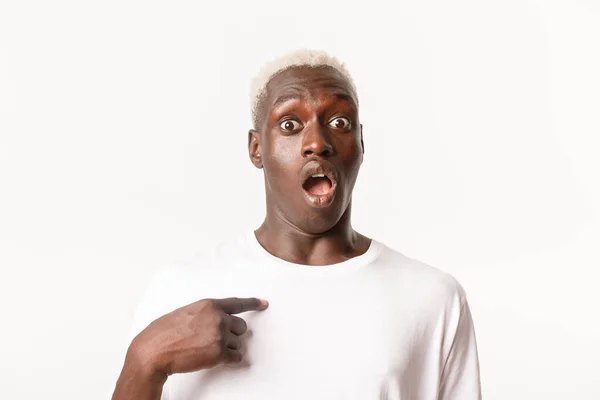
[{"x": 347, "y": 317}]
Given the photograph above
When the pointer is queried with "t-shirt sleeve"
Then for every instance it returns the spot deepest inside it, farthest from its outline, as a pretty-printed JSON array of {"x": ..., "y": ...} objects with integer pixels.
[{"x": 460, "y": 376}]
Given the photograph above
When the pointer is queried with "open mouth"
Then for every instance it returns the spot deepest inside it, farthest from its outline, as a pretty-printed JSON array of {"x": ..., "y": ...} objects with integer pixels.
[{"x": 318, "y": 185}]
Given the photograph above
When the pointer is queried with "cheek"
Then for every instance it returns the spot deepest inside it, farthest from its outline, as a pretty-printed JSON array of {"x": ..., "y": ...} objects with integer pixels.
[
  {"x": 353, "y": 157},
  {"x": 280, "y": 162},
  {"x": 284, "y": 151}
]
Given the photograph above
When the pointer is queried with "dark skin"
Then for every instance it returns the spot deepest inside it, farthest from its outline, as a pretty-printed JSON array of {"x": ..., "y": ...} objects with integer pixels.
[{"x": 308, "y": 115}]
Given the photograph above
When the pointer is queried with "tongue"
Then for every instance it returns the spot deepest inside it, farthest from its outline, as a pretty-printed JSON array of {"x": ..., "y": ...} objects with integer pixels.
[{"x": 318, "y": 186}]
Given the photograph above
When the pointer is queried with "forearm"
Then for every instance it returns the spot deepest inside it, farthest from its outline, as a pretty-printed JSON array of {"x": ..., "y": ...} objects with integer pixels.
[{"x": 138, "y": 383}]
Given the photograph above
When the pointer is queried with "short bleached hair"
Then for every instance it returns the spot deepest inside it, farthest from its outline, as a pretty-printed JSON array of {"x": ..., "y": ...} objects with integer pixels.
[{"x": 298, "y": 58}]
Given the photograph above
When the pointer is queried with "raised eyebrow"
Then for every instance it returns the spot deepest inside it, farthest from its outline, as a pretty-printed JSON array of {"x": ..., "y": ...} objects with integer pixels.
[
  {"x": 296, "y": 96},
  {"x": 345, "y": 97},
  {"x": 286, "y": 97}
]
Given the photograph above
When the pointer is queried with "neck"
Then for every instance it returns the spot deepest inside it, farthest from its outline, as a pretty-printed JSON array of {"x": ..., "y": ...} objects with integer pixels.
[{"x": 286, "y": 241}]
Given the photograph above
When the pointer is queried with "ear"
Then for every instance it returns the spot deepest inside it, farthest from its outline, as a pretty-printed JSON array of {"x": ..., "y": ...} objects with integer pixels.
[
  {"x": 362, "y": 143},
  {"x": 254, "y": 148}
]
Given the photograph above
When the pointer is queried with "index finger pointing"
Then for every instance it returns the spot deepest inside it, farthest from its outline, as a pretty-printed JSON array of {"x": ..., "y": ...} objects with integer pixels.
[{"x": 236, "y": 305}]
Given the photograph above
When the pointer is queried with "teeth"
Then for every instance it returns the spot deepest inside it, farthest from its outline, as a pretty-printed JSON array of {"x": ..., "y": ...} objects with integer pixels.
[{"x": 318, "y": 176}]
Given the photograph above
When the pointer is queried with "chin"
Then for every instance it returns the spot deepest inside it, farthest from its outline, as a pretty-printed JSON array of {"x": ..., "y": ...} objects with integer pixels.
[{"x": 320, "y": 220}]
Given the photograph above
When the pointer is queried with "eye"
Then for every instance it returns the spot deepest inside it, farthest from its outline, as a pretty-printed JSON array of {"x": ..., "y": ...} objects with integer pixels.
[
  {"x": 342, "y": 123},
  {"x": 290, "y": 125}
]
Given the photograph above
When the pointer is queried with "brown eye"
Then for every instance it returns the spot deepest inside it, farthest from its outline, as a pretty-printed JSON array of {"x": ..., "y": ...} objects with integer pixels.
[
  {"x": 290, "y": 125},
  {"x": 340, "y": 123}
]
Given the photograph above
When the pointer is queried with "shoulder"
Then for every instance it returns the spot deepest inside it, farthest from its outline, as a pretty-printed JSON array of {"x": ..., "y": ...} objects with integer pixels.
[
  {"x": 181, "y": 282},
  {"x": 199, "y": 268},
  {"x": 423, "y": 281},
  {"x": 205, "y": 261}
]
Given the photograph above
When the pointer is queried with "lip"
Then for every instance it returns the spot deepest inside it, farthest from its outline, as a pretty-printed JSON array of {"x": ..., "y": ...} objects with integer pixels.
[{"x": 319, "y": 167}]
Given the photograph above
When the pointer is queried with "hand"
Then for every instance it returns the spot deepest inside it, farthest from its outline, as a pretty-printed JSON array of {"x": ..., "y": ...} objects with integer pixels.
[{"x": 197, "y": 336}]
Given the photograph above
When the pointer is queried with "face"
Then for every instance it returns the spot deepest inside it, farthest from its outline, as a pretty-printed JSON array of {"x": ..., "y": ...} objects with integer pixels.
[{"x": 309, "y": 143}]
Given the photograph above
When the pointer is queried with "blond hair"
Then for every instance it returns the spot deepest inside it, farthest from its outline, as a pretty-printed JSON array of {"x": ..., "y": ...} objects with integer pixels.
[{"x": 303, "y": 57}]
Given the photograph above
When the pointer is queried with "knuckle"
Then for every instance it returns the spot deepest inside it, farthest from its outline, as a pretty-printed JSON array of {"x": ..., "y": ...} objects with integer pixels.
[
  {"x": 221, "y": 342},
  {"x": 212, "y": 305},
  {"x": 218, "y": 352},
  {"x": 224, "y": 353},
  {"x": 207, "y": 305},
  {"x": 217, "y": 335},
  {"x": 221, "y": 322},
  {"x": 205, "y": 302},
  {"x": 211, "y": 334}
]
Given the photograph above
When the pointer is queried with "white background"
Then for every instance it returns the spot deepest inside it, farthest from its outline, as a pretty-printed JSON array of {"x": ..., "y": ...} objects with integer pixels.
[{"x": 123, "y": 148}]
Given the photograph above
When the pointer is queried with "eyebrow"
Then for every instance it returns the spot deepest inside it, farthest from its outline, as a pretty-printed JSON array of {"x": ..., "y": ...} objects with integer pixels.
[
  {"x": 287, "y": 97},
  {"x": 296, "y": 96},
  {"x": 344, "y": 96}
]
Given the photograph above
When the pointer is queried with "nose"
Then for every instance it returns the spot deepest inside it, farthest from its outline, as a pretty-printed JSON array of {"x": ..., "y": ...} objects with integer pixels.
[{"x": 316, "y": 141}]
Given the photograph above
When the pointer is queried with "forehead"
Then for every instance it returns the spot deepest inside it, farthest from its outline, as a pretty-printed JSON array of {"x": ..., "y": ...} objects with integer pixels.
[{"x": 308, "y": 81}]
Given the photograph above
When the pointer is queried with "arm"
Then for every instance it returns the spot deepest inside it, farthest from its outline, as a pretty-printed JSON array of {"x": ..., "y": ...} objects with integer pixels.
[
  {"x": 137, "y": 381},
  {"x": 460, "y": 376},
  {"x": 198, "y": 336}
]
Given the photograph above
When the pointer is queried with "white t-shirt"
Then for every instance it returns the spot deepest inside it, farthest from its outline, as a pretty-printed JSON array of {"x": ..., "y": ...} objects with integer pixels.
[{"x": 377, "y": 326}]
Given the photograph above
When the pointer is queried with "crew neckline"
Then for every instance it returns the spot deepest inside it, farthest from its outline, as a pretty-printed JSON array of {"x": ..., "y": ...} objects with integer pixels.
[{"x": 349, "y": 265}]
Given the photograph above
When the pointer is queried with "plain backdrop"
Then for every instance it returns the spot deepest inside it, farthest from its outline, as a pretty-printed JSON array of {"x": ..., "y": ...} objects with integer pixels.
[{"x": 123, "y": 133}]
